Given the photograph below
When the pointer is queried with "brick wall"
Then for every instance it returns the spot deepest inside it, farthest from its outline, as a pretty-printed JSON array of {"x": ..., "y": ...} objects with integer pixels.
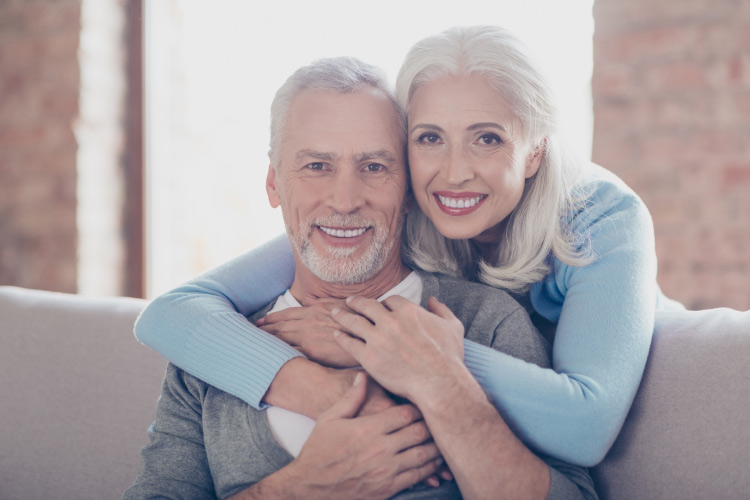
[
  {"x": 39, "y": 78},
  {"x": 671, "y": 92}
]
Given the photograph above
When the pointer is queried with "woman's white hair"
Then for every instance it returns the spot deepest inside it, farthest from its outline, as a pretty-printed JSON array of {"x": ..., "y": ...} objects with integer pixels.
[
  {"x": 345, "y": 75},
  {"x": 540, "y": 225}
]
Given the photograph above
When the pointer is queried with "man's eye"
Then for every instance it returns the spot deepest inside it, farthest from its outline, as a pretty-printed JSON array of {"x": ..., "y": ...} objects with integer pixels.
[
  {"x": 374, "y": 167},
  {"x": 489, "y": 140},
  {"x": 428, "y": 138},
  {"x": 315, "y": 166}
]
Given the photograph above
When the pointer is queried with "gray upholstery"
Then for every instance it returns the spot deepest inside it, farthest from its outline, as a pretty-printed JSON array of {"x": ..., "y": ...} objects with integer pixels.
[
  {"x": 688, "y": 433},
  {"x": 77, "y": 393}
]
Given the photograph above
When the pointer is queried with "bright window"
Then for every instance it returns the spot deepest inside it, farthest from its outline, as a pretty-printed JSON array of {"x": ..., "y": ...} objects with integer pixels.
[{"x": 212, "y": 69}]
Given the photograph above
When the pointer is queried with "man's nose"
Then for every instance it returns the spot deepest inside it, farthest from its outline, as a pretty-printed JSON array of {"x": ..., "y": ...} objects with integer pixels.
[
  {"x": 346, "y": 191},
  {"x": 457, "y": 167}
]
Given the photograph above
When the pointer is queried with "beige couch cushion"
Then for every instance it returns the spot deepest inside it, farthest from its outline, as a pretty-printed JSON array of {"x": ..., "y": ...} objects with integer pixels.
[
  {"x": 77, "y": 392},
  {"x": 688, "y": 433}
]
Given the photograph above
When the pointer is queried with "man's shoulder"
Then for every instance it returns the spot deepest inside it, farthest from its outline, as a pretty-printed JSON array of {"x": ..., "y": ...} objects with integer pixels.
[
  {"x": 460, "y": 294},
  {"x": 491, "y": 317}
]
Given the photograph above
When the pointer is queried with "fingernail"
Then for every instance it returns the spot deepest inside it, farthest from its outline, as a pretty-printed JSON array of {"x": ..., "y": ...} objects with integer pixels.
[
  {"x": 357, "y": 379},
  {"x": 349, "y": 299},
  {"x": 433, "y": 482},
  {"x": 335, "y": 310},
  {"x": 446, "y": 475},
  {"x": 336, "y": 333}
]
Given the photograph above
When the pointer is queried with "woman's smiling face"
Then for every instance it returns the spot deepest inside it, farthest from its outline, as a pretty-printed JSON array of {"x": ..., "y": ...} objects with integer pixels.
[{"x": 469, "y": 157}]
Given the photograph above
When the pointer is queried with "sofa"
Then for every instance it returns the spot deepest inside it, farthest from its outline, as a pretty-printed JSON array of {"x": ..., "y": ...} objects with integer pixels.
[{"x": 78, "y": 392}]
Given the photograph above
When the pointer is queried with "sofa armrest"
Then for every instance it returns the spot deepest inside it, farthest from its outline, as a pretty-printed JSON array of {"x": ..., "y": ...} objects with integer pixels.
[
  {"x": 688, "y": 433},
  {"x": 78, "y": 393}
]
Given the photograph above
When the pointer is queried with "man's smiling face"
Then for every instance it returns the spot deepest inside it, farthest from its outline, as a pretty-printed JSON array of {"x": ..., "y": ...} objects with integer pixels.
[{"x": 341, "y": 183}]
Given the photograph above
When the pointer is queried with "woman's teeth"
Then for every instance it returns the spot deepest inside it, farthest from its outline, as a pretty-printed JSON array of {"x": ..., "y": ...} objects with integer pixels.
[
  {"x": 460, "y": 202},
  {"x": 343, "y": 233}
]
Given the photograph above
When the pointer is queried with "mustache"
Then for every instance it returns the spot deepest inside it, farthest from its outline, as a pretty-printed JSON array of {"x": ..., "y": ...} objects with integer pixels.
[{"x": 339, "y": 220}]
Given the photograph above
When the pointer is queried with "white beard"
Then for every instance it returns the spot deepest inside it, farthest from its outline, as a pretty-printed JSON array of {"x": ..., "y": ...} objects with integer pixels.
[{"x": 338, "y": 265}]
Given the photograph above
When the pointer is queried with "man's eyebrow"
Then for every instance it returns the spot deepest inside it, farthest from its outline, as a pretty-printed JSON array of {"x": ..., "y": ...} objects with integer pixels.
[
  {"x": 380, "y": 154},
  {"x": 316, "y": 155}
]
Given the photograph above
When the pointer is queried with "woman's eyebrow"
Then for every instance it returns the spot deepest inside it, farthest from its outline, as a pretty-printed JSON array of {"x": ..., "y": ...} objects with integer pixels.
[
  {"x": 426, "y": 126},
  {"x": 476, "y": 126}
]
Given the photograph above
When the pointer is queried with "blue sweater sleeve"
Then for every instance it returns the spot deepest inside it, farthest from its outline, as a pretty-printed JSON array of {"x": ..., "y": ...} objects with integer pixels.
[
  {"x": 573, "y": 412},
  {"x": 605, "y": 318},
  {"x": 201, "y": 326}
]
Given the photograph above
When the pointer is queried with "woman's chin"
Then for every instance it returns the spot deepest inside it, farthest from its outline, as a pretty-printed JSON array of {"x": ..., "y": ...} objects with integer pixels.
[{"x": 457, "y": 231}]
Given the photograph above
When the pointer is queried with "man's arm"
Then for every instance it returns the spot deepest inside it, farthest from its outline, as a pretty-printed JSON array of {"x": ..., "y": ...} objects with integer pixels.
[
  {"x": 369, "y": 457},
  {"x": 175, "y": 464}
]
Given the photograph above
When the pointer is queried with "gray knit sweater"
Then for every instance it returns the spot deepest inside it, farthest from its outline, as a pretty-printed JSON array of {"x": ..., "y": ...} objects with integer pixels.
[{"x": 206, "y": 443}]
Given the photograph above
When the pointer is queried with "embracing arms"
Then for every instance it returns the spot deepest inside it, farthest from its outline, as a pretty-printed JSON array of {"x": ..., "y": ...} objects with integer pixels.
[{"x": 600, "y": 349}]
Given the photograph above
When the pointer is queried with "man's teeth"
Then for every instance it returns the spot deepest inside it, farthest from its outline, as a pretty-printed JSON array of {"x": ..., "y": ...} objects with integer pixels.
[
  {"x": 343, "y": 233},
  {"x": 459, "y": 202}
]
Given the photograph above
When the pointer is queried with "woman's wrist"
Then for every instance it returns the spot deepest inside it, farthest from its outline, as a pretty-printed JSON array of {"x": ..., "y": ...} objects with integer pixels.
[{"x": 306, "y": 387}]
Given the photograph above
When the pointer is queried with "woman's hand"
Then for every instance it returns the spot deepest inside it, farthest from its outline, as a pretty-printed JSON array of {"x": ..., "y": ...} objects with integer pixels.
[
  {"x": 310, "y": 330},
  {"x": 410, "y": 351}
]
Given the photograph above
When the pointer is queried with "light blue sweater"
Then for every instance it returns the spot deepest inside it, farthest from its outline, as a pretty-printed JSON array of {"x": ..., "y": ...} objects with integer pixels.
[{"x": 604, "y": 313}]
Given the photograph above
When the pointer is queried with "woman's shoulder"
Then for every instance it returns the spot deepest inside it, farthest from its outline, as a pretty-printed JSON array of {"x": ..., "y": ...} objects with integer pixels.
[{"x": 602, "y": 195}]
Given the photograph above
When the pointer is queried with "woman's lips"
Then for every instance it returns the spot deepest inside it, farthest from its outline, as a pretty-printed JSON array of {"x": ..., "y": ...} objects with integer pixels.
[{"x": 458, "y": 203}]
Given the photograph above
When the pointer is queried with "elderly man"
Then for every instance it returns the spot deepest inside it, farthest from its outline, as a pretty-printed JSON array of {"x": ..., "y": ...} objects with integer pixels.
[{"x": 338, "y": 173}]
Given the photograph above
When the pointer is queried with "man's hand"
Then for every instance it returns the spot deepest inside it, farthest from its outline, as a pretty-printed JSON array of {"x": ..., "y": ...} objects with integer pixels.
[
  {"x": 310, "y": 330},
  {"x": 368, "y": 457}
]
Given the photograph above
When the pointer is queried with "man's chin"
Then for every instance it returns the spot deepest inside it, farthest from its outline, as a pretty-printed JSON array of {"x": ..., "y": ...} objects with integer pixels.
[{"x": 346, "y": 272}]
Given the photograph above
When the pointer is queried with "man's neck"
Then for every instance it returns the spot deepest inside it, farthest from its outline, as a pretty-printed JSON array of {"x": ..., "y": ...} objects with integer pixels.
[{"x": 307, "y": 284}]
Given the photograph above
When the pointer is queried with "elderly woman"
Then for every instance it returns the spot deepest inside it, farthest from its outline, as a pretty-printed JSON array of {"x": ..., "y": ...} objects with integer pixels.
[{"x": 499, "y": 201}]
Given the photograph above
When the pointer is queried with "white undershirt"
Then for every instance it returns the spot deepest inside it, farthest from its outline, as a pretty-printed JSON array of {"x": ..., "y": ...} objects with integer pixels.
[{"x": 290, "y": 429}]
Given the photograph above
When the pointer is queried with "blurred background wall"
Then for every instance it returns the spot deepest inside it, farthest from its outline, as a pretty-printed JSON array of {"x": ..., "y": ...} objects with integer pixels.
[
  {"x": 671, "y": 96},
  {"x": 39, "y": 82},
  {"x": 671, "y": 90}
]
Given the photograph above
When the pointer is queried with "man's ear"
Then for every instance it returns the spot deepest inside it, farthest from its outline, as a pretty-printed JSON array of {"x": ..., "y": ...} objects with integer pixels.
[
  {"x": 535, "y": 158},
  {"x": 273, "y": 194}
]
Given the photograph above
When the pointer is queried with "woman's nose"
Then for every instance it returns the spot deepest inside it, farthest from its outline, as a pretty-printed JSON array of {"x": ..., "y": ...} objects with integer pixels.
[{"x": 458, "y": 169}]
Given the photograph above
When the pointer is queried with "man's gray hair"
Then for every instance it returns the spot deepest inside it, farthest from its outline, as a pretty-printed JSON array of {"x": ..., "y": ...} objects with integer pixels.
[{"x": 345, "y": 75}]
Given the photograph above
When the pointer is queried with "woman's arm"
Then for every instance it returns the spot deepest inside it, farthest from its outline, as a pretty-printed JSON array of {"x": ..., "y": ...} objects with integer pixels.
[
  {"x": 201, "y": 326},
  {"x": 605, "y": 317}
]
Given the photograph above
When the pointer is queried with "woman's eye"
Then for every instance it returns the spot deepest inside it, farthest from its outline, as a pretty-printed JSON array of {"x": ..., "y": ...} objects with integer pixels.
[
  {"x": 489, "y": 140},
  {"x": 374, "y": 167},
  {"x": 428, "y": 138}
]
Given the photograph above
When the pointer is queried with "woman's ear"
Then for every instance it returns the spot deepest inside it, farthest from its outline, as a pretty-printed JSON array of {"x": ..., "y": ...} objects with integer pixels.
[
  {"x": 271, "y": 190},
  {"x": 534, "y": 160}
]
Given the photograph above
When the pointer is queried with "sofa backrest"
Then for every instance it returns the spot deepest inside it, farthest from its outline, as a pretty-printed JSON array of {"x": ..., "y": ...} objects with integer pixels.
[
  {"x": 687, "y": 435},
  {"x": 77, "y": 393}
]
